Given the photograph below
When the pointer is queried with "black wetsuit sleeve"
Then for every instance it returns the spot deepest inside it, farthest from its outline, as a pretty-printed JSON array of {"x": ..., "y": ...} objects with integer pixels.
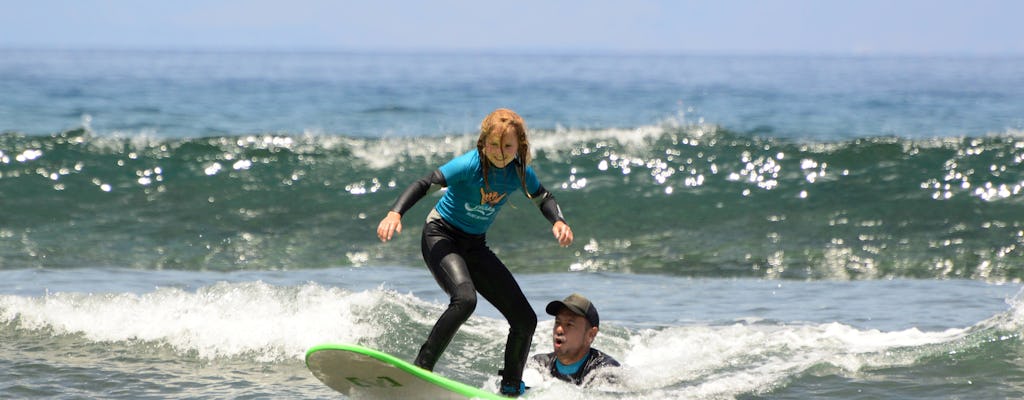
[
  {"x": 547, "y": 204},
  {"x": 418, "y": 189}
]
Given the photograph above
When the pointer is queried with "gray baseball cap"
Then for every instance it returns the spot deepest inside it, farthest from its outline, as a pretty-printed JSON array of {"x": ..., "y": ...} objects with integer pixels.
[{"x": 578, "y": 305}]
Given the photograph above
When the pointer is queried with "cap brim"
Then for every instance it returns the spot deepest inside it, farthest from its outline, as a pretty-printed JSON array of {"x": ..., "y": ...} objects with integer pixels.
[{"x": 556, "y": 306}]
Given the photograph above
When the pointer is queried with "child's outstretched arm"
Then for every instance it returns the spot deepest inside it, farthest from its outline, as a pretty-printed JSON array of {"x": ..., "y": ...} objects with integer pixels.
[
  {"x": 392, "y": 223},
  {"x": 549, "y": 207}
]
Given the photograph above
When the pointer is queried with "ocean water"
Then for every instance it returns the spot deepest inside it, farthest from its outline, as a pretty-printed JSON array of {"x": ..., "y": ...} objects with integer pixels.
[{"x": 185, "y": 224}]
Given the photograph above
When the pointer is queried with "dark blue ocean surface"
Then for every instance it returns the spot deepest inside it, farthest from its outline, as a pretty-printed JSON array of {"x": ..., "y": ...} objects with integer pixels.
[{"x": 192, "y": 94}]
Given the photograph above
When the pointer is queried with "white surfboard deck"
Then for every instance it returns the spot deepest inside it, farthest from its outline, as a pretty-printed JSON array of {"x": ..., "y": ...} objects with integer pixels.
[{"x": 364, "y": 373}]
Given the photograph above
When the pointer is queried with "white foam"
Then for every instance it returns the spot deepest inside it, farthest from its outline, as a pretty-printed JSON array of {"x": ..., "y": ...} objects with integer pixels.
[
  {"x": 700, "y": 362},
  {"x": 391, "y": 152},
  {"x": 388, "y": 153},
  {"x": 725, "y": 361},
  {"x": 264, "y": 322},
  {"x": 1013, "y": 319},
  {"x": 223, "y": 320}
]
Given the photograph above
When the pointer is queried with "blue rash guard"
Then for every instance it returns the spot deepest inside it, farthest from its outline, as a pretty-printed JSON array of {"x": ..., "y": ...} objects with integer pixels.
[{"x": 470, "y": 205}]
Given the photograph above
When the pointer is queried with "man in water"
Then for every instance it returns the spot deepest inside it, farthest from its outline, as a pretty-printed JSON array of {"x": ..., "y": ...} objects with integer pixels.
[{"x": 576, "y": 326}]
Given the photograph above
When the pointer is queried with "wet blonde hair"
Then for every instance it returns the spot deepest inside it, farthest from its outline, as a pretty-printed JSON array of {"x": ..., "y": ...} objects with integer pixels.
[{"x": 500, "y": 122}]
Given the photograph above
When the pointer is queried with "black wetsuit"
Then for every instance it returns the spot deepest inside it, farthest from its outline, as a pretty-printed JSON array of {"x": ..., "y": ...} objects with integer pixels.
[
  {"x": 595, "y": 359},
  {"x": 463, "y": 265}
]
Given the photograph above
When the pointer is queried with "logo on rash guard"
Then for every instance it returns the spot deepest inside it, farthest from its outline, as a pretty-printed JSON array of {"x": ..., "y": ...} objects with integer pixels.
[
  {"x": 490, "y": 198},
  {"x": 484, "y": 211}
]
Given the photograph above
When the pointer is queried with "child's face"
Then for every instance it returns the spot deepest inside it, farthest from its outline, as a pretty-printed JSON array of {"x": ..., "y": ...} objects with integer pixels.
[{"x": 501, "y": 149}]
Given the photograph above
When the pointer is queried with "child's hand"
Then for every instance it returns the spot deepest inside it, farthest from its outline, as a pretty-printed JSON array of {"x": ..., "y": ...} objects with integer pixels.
[
  {"x": 562, "y": 233},
  {"x": 389, "y": 226}
]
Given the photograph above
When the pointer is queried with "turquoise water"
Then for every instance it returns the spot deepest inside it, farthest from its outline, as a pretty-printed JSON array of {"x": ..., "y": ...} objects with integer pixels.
[{"x": 186, "y": 224}]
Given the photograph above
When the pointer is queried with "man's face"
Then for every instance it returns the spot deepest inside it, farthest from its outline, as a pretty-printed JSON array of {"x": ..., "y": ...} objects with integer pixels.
[{"x": 572, "y": 336}]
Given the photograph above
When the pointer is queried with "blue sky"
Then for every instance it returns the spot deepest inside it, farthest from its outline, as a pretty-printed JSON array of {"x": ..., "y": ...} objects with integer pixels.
[{"x": 682, "y": 26}]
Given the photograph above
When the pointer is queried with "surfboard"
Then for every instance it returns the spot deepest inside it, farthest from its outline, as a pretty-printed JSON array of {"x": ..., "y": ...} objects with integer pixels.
[{"x": 364, "y": 373}]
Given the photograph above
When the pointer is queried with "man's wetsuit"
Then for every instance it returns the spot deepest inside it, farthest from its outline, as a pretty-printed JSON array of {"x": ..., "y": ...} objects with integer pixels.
[
  {"x": 455, "y": 250},
  {"x": 594, "y": 359}
]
